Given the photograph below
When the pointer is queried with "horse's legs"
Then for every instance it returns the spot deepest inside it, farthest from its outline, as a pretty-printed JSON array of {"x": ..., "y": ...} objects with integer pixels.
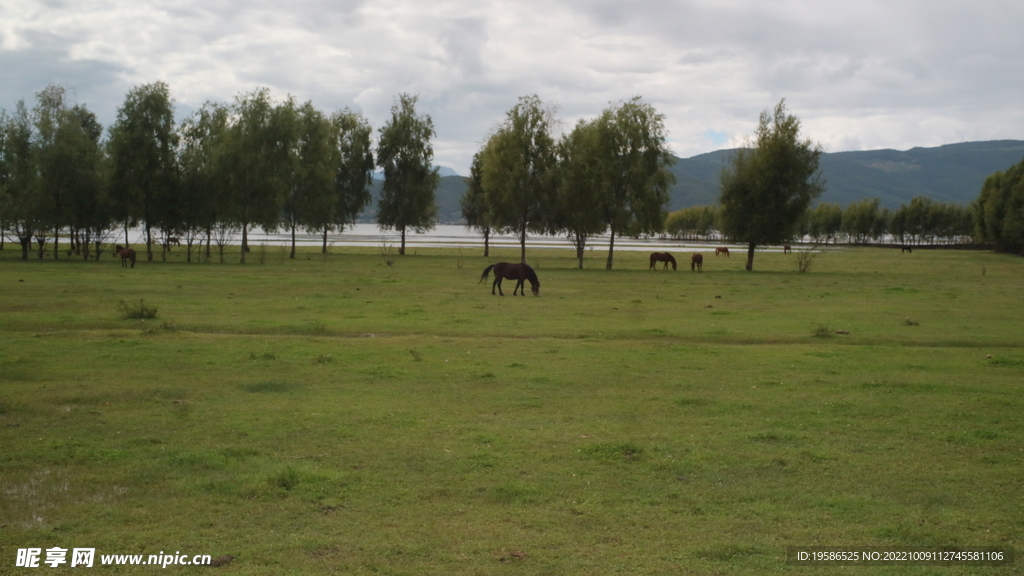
[
  {"x": 520, "y": 287},
  {"x": 497, "y": 282}
]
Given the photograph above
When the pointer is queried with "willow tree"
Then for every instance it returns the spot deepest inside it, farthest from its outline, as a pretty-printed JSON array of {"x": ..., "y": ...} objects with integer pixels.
[
  {"x": 353, "y": 171},
  {"x": 474, "y": 203},
  {"x": 201, "y": 198},
  {"x": 767, "y": 188},
  {"x": 518, "y": 169},
  {"x": 405, "y": 155},
  {"x": 634, "y": 174},
  {"x": 142, "y": 147},
  {"x": 257, "y": 160},
  {"x": 579, "y": 211}
]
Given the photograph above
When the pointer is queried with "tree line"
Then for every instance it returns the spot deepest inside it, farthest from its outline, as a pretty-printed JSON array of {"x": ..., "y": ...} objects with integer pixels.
[
  {"x": 221, "y": 171},
  {"x": 283, "y": 165},
  {"x": 922, "y": 221}
]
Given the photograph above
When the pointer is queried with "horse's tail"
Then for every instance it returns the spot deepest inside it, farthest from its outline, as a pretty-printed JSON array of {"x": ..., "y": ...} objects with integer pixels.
[{"x": 486, "y": 272}]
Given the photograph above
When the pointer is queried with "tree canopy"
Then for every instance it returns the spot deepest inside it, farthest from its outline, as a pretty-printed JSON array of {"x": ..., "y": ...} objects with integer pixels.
[
  {"x": 518, "y": 170},
  {"x": 406, "y": 156},
  {"x": 767, "y": 188}
]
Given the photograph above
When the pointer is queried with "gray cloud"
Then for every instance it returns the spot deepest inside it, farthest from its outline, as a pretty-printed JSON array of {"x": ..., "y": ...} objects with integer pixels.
[{"x": 871, "y": 74}]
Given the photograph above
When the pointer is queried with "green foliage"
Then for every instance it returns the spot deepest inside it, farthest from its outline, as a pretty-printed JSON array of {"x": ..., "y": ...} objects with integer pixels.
[
  {"x": 696, "y": 222},
  {"x": 142, "y": 148},
  {"x": 257, "y": 161},
  {"x": 354, "y": 170},
  {"x": 578, "y": 206},
  {"x": 133, "y": 312},
  {"x": 634, "y": 176},
  {"x": 518, "y": 170},
  {"x": 473, "y": 203},
  {"x": 405, "y": 155},
  {"x": 768, "y": 188},
  {"x": 999, "y": 210}
]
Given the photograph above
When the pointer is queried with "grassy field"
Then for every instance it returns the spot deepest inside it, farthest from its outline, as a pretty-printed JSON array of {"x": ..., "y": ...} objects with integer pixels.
[{"x": 334, "y": 415}]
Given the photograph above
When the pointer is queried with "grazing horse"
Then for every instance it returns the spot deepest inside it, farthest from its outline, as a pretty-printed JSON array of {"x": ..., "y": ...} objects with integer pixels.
[
  {"x": 786, "y": 249},
  {"x": 906, "y": 248},
  {"x": 662, "y": 257},
  {"x": 697, "y": 263},
  {"x": 126, "y": 254},
  {"x": 518, "y": 272},
  {"x": 722, "y": 250}
]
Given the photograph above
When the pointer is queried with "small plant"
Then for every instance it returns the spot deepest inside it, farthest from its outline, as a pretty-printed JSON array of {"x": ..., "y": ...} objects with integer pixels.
[
  {"x": 132, "y": 312},
  {"x": 287, "y": 478},
  {"x": 323, "y": 359},
  {"x": 459, "y": 261},
  {"x": 806, "y": 256},
  {"x": 822, "y": 331},
  {"x": 416, "y": 355},
  {"x": 910, "y": 322},
  {"x": 387, "y": 254},
  {"x": 261, "y": 253}
]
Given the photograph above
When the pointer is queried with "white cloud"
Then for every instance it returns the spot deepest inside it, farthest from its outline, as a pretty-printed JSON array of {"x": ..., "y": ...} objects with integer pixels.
[{"x": 870, "y": 74}]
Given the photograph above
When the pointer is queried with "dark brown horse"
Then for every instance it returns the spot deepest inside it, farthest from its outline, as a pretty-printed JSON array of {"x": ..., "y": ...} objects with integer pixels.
[
  {"x": 519, "y": 272},
  {"x": 786, "y": 249},
  {"x": 662, "y": 257},
  {"x": 697, "y": 263},
  {"x": 126, "y": 254},
  {"x": 906, "y": 248},
  {"x": 722, "y": 250}
]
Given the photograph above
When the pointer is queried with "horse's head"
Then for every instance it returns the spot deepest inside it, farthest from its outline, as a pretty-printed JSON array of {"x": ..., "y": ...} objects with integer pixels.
[{"x": 535, "y": 286}]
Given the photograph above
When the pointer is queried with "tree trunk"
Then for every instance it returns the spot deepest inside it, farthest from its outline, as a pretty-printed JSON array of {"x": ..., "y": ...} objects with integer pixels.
[
  {"x": 56, "y": 241},
  {"x": 323, "y": 249},
  {"x": 487, "y": 238},
  {"x": 293, "y": 241},
  {"x": 401, "y": 250},
  {"x": 245, "y": 240},
  {"x": 750, "y": 256},
  {"x": 611, "y": 247},
  {"x": 25, "y": 242},
  {"x": 522, "y": 245},
  {"x": 149, "y": 243}
]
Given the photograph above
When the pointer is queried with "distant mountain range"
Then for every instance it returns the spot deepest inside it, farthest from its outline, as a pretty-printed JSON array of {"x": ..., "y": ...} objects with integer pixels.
[{"x": 952, "y": 173}]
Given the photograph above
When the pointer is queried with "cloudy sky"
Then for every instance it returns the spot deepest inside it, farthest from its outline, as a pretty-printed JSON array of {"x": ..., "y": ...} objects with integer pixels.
[{"x": 860, "y": 75}]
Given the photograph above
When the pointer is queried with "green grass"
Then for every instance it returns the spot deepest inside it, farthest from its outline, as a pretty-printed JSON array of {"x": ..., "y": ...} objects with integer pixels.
[{"x": 338, "y": 415}]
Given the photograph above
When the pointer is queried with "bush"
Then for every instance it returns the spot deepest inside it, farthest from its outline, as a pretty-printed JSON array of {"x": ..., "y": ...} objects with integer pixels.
[{"x": 132, "y": 312}]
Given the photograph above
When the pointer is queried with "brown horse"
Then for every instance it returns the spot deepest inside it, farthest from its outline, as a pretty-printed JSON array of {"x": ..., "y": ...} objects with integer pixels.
[
  {"x": 519, "y": 272},
  {"x": 905, "y": 248},
  {"x": 722, "y": 250},
  {"x": 697, "y": 263},
  {"x": 126, "y": 254},
  {"x": 662, "y": 257},
  {"x": 786, "y": 249}
]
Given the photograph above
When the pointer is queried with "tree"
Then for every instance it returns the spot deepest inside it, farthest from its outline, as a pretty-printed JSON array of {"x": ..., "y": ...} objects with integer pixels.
[
  {"x": 142, "y": 147},
  {"x": 202, "y": 192},
  {"x": 634, "y": 175},
  {"x": 310, "y": 199},
  {"x": 474, "y": 203},
  {"x": 999, "y": 210},
  {"x": 579, "y": 211},
  {"x": 19, "y": 177},
  {"x": 353, "y": 171},
  {"x": 824, "y": 222},
  {"x": 256, "y": 159},
  {"x": 406, "y": 156},
  {"x": 766, "y": 189},
  {"x": 859, "y": 220},
  {"x": 518, "y": 166}
]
